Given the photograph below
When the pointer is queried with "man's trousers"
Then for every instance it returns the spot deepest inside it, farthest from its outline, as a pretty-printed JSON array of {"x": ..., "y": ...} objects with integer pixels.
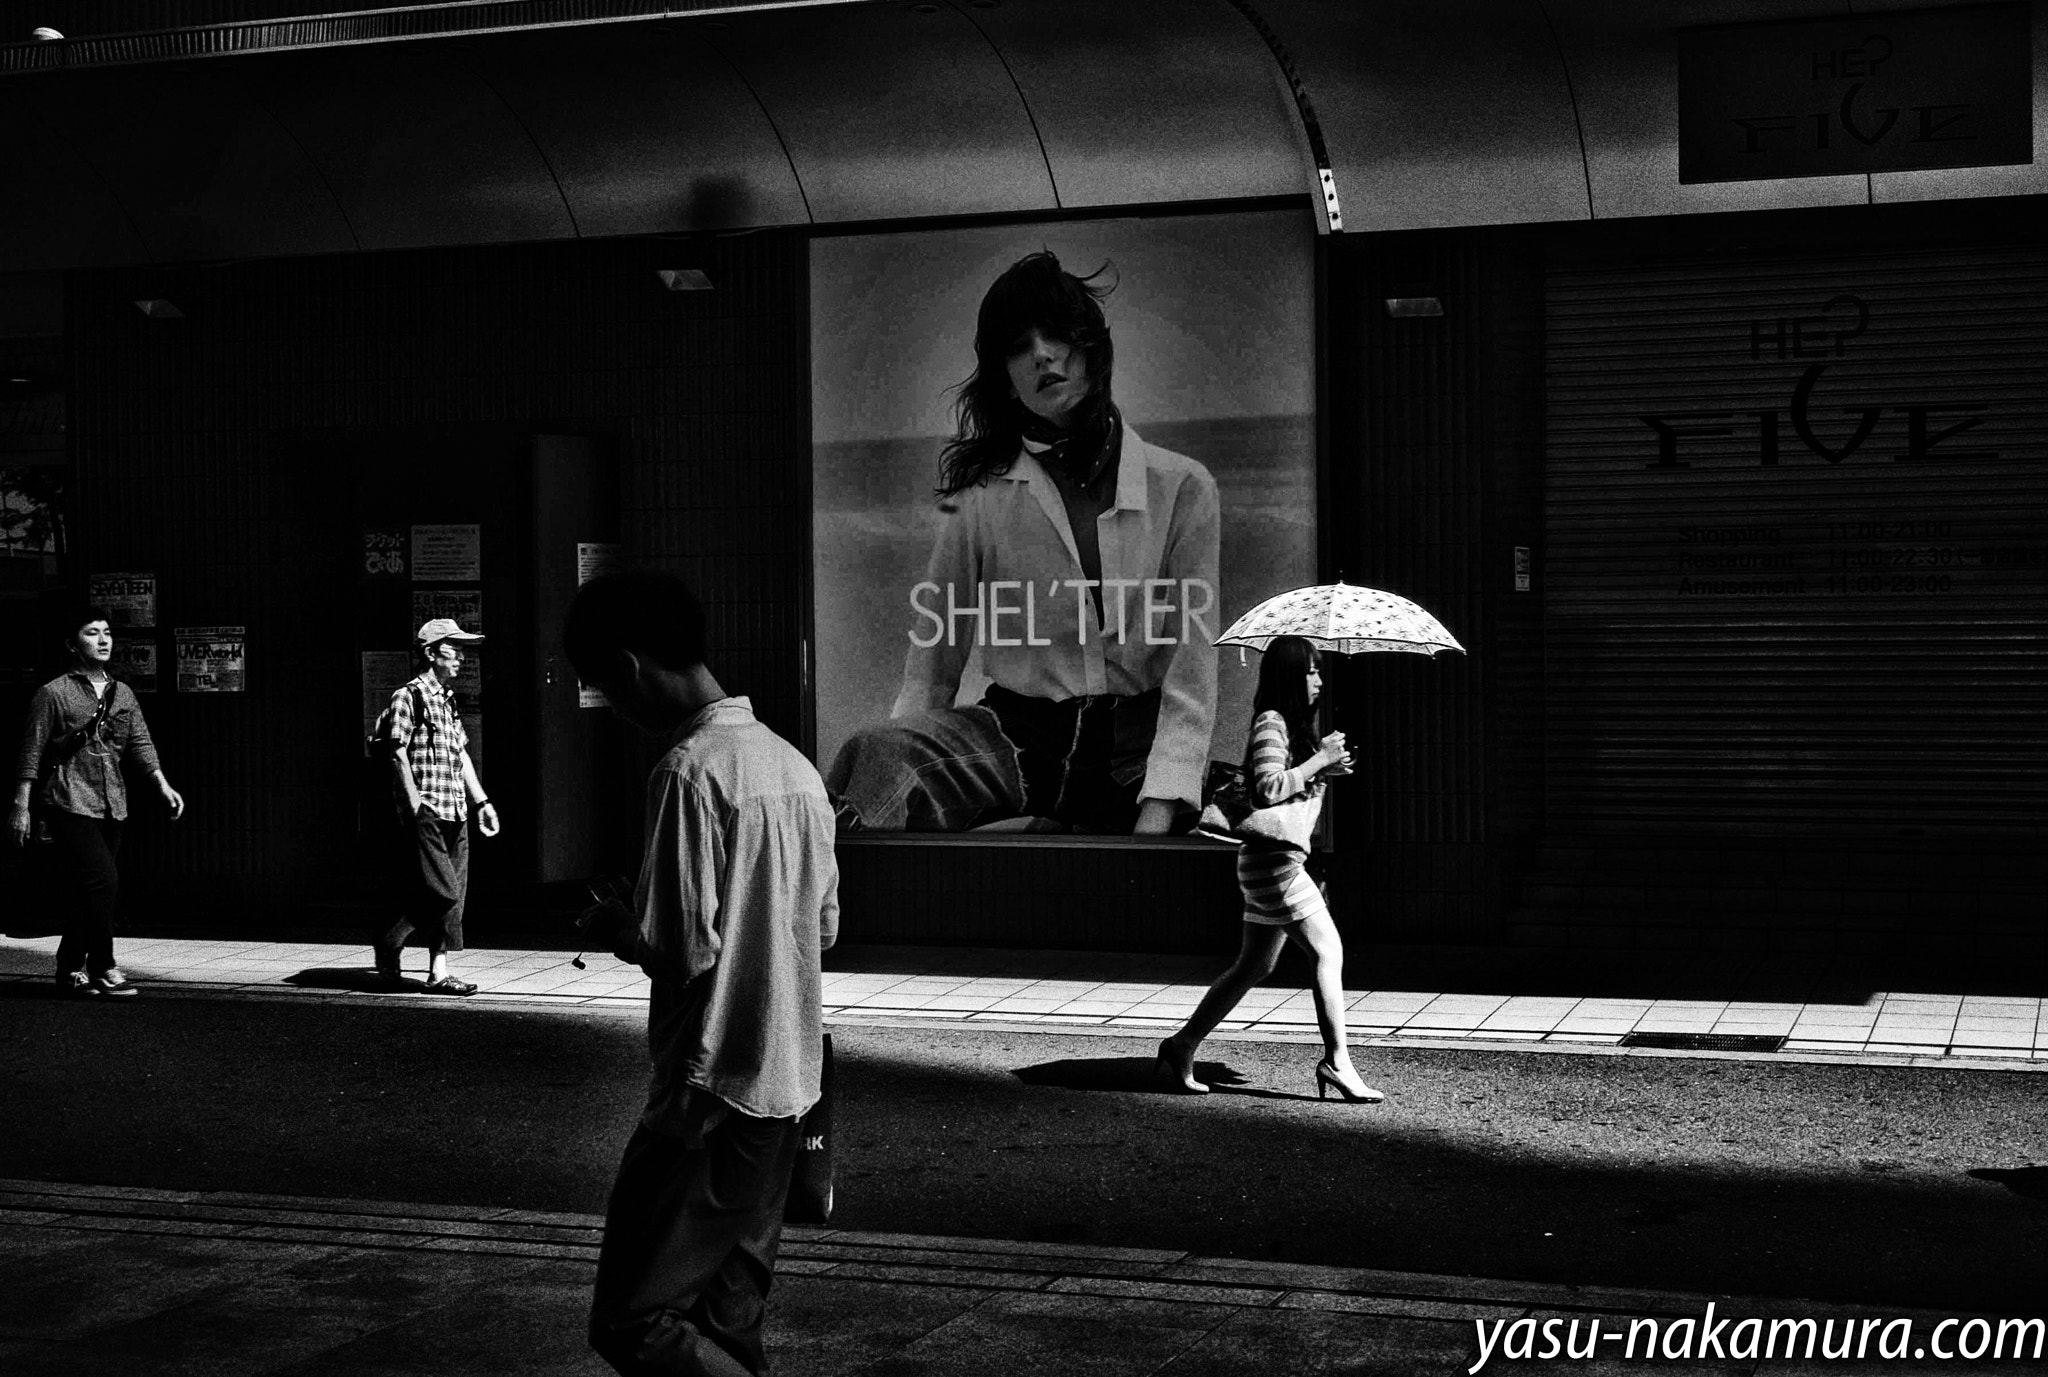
[
  {"x": 689, "y": 1248},
  {"x": 430, "y": 861}
]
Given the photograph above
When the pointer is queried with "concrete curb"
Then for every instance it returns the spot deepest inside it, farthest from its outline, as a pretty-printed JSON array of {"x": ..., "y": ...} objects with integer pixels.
[{"x": 861, "y": 1255}]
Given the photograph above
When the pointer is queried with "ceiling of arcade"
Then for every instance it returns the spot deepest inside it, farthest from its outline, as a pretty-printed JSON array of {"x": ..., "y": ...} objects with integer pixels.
[{"x": 239, "y": 136}]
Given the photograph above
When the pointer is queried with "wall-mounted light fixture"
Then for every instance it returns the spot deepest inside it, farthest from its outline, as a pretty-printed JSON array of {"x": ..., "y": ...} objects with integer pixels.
[
  {"x": 46, "y": 35},
  {"x": 156, "y": 308},
  {"x": 684, "y": 279},
  {"x": 1410, "y": 307}
]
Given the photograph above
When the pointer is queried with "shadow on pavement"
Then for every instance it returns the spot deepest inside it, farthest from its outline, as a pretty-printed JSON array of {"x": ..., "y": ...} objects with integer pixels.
[
  {"x": 2031, "y": 1182},
  {"x": 352, "y": 979},
  {"x": 1125, "y": 1075}
]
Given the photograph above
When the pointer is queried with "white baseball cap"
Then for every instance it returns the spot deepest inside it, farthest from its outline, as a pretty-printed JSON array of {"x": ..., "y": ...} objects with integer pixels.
[{"x": 445, "y": 629}]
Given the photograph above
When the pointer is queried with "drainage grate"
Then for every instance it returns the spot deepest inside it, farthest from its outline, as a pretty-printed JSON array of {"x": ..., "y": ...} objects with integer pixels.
[{"x": 1707, "y": 1042}]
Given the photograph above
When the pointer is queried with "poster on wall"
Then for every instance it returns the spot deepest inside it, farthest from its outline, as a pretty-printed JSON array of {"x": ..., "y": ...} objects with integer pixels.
[
  {"x": 384, "y": 552},
  {"x": 464, "y": 605},
  {"x": 130, "y": 599},
  {"x": 469, "y": 685},
  {"x": 593, "y": 558},
  {"x": 1155, "y": 379},
  {"x": 32, "y": 510},
  {"x": 211, "y": 659},
  {"x": 384, "y": 673},
  {"x": 448, "y": 553},
  {"x": 134, "y": 664}
]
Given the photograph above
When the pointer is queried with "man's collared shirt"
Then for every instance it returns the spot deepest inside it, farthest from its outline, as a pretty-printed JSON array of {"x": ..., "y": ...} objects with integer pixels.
[
  {"x": 88, "y": 780},
  {"x": 738, "y": 894},
  {"x": 1008, "y": 548},
  {"x": 434, "y": 746}
]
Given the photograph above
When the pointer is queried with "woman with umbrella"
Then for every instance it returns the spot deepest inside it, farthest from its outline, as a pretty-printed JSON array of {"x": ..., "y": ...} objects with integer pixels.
[{"x": 1285, "y": 771}]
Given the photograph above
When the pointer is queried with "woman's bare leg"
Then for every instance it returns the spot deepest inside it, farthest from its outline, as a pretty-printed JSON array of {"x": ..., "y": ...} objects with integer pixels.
[
  {"x": 1317, "y": 935},
  {"x": 1258, "y": 949}
]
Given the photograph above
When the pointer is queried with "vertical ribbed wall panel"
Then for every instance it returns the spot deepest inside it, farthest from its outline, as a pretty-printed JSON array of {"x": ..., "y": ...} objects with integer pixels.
[
  {"x": 197, "y": 450},
  {"x": 1436, "y": 476}
]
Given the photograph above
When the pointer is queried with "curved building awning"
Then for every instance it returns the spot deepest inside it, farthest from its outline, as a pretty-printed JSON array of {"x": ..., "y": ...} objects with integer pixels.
[{"x": 1431, "y": 113}]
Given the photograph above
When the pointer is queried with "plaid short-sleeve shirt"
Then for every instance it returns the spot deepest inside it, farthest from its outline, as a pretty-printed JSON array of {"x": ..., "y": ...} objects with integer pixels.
[{"x": 433, "y": 745}]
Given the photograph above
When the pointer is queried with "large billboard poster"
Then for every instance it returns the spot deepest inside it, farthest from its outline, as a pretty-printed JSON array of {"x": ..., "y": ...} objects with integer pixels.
[{"x": 1024, "y": 640}]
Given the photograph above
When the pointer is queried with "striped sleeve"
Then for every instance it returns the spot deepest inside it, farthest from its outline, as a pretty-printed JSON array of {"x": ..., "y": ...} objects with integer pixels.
[{"x": 1273, "y": 780}]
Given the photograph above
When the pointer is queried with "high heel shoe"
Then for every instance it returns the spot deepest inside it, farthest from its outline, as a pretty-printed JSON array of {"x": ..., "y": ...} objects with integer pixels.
[
  {"x": 1327, "y": 1080},
  {"x": 1179, "y": 1072}
]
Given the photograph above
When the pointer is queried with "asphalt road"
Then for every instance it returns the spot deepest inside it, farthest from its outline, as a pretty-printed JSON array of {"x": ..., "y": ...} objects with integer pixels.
[{"x": 1751, "y": 1177}]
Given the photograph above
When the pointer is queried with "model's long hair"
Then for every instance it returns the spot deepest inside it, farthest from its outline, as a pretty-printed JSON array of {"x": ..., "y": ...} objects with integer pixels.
[
  {"x": 1283, "y": 688},
  {"x": 1035, "y": 292}
]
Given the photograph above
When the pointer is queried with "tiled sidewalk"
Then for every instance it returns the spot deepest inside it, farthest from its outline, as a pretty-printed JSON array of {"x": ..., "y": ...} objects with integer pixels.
[{"x": 972, "y": 986}]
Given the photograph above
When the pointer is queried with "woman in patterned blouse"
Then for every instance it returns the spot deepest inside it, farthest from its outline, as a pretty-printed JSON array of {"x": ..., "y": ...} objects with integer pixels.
[{"x": 1285, "y": 771}]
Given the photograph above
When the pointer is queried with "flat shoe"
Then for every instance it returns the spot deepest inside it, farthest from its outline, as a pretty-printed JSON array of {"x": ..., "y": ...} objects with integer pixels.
[
  {"x": 76, "y": 985},
  {"x": 111, "y": 982},
  {"x": 449, "y": 985}
]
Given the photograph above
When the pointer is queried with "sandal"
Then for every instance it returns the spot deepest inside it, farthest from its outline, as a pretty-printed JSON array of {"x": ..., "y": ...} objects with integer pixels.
[{"x": 449, "y": 985}]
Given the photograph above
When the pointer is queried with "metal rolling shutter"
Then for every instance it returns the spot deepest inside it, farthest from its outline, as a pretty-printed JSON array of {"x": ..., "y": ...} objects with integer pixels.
[{"x": 1797, "y": 544}]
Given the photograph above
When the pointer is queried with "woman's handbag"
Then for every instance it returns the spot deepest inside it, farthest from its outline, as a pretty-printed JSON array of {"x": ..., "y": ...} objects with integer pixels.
[
  {"x": 1227, "y": 804},
  {"x": 810, "y": 1184},
  {"x": 1229, "y": 816}
]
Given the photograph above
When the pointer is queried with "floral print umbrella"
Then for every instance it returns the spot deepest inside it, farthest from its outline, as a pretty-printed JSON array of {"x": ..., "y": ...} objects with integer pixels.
[{"x": 1343, "y": 618}]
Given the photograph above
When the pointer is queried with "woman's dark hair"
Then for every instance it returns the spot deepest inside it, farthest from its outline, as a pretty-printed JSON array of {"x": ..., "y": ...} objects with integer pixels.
[
  {"x": 1283, "y": 688},
  {"x": 646, "y": 611},
  {"x": 1034, "y": 293}
]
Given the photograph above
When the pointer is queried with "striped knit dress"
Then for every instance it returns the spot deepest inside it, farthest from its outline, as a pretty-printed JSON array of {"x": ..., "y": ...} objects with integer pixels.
[{"x": 1277, "y": 889}]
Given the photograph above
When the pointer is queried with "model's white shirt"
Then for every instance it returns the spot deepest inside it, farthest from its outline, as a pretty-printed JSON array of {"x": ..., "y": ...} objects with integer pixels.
[{"x": 1007, "y": 548}]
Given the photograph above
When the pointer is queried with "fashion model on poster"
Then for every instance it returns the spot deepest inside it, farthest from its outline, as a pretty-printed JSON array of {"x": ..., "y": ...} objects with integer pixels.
[
  {"x": 737, "y": 897},
  {"x": 1286, "y": 769},
  {"x": 1081, "y": 561},
  {"x": 434, "y": 788},
  {"x": 84, "y": 727}
]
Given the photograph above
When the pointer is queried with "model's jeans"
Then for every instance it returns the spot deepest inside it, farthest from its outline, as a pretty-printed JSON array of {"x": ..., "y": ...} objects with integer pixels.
[
  {"x": 86, "y": 848},
  {"x": 1077, "y": 761}
]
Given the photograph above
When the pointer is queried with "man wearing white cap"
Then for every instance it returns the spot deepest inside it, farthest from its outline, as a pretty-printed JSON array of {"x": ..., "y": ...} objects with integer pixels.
[{"x": 436, "y": 787}]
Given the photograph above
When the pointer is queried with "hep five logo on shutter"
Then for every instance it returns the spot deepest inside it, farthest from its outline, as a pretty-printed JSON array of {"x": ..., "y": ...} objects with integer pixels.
[{"x": 1928, "y": 429}]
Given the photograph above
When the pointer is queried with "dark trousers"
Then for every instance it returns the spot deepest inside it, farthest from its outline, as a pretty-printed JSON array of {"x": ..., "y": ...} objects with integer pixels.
[
  {"x": 1083, "y": 759},
  {"x": 689, "y": 1250},
  {"x": 86, "y": 848},
  {"x": 432, "y": 876}
]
